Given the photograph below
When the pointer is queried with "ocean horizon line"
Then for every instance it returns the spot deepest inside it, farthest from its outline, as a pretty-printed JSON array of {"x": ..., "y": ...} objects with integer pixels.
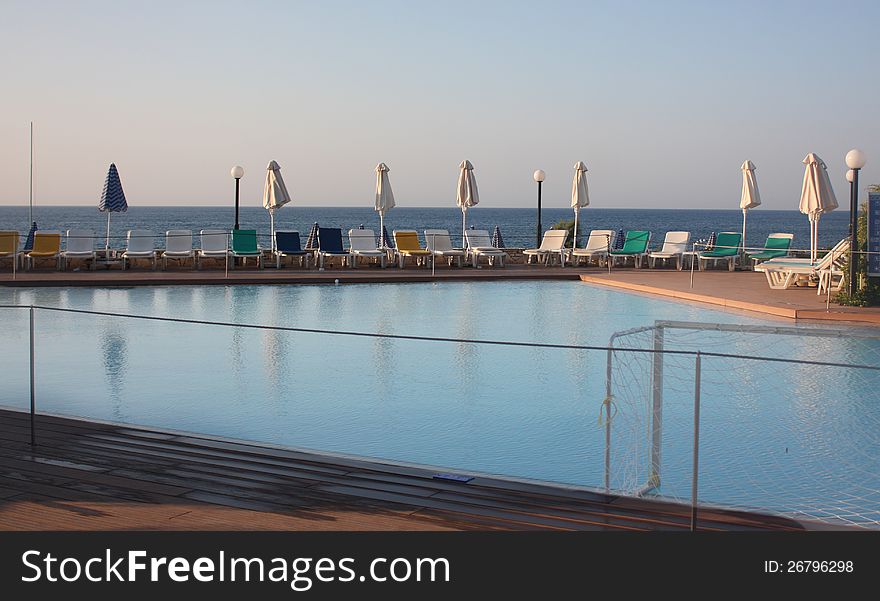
[{"x": 294, "y": 205}]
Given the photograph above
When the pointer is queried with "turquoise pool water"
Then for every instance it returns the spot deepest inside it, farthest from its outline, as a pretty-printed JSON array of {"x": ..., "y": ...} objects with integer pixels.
[{"x": 778, "y": 436}]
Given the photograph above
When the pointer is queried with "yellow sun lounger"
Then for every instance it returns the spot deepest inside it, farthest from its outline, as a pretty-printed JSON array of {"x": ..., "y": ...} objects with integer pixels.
[
  {"x": 47, "y": 245},
  {"x": 9, "y": 247},
  {"x": 407, "y": 243}
]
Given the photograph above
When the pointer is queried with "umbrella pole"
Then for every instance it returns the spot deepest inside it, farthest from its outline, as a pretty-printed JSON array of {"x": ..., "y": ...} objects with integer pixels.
[
  {"x": 107, "y": 240},
  {"x": 272, "y": 230},
  {"x": 813, "y": 229},
  {"x": 382, "y": 229},
  {"x": 463, "y": 226},
  {"x": 742, "y": 263}
]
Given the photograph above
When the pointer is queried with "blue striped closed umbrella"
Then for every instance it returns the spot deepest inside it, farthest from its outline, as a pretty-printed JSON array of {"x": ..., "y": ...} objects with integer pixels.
[
  {"x": 385, "y": 241},
  {"x": 712, "y": 239},
  {"x": 112, "y": 199},
  {"x": 29, "y": 241},
  {"x": 312, "y": 240},
  {"x": 497, "y": 240}
]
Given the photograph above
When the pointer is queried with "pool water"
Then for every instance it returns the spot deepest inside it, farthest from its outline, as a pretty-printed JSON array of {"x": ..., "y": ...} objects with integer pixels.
[{"x": 523, "y": 412}]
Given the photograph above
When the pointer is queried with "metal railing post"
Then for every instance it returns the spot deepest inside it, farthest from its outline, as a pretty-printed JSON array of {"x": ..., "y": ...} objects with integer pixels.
[
  {"x": 608, "y": 371},
  {"x": 33, "y": 395},
  {"x": 696, "y": 455},
  {"x": 656, "y": 407}
]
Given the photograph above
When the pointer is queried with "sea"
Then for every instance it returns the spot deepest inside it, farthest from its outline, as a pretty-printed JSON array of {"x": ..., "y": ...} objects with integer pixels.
[{"x": 517, "y": 225}]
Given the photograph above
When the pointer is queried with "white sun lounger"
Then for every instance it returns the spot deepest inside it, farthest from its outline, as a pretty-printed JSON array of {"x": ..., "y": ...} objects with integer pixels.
[
  {"x": 214, "y": 245},
  {"x": 178, "y": 246},
  {"x": 674, "y": 247},
  {"x": 139, "y": 245},
  {"x": 479, "y": 244},
  {"x": 362, "y": 243},
  {"x": 784, "y": 273},
  {"x": 439, "y": 244},
  {"x": 552, "y": 244},
  {"x": 598, "y": 243},
  {"x": 80, "y": 246}
]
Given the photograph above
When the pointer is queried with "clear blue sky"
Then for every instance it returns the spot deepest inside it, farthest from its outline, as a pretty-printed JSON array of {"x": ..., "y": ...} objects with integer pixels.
[{"x": 662, "y": 100}]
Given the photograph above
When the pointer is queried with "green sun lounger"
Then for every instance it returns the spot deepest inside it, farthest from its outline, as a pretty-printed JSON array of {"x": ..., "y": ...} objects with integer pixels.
[
  {"x": 777, "y": 245},
  {"x": 244, "y": 245},
  {"x": 635, "y": 245},
  {"x": 727, "y": 248}
]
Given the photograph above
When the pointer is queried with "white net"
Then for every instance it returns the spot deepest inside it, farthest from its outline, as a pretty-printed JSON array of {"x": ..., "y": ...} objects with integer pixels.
[{"x": 790, "y": 418}]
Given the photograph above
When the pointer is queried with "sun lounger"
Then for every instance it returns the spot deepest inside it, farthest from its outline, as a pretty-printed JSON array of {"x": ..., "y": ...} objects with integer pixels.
[
  {"x": 47, "y": 245},
  {"x": 776, "y": 246},
  {"x": 80, "y": 246},
  {"x": 9, "y": 240},
  {"x": 674, "y": 247},
  {"x": 179, "y": 247},
  {"x": 362, "y": 243},
  {"x": 479, "y": 244},
  {"x": 330, "y": 245},
  {"x": 598, "y": 243},
  {"x": 552, "y": 245},
  {"x": 287, "y": 244},
  {"x": 214, "y": 244},
  {"x": 439, "y": 244},
  {"x": 635, "y": 245},
  {"x": 784, "y": 273},
  {"x": 408, "y": 245},
  {"x": 139, "y": 245},
  {"x": 244, "y": 246},
  {"x": 727, "y": 248}
]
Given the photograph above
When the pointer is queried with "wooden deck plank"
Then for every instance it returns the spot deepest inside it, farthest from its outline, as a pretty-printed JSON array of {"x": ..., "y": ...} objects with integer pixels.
[{"x": 104, "y": 476}]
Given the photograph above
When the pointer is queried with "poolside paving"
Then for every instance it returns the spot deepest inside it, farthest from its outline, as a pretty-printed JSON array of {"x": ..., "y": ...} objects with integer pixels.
[
  {"x": 85, "y": 475},
  {"x": 741, "y": 290}
]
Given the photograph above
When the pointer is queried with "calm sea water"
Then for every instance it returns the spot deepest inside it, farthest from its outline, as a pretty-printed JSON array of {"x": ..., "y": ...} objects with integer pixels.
[{"x": 517, "y": 225}]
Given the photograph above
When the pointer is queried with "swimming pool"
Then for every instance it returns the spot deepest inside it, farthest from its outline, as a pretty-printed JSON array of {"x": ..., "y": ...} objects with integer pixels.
[{"x": 517, "y": 411}]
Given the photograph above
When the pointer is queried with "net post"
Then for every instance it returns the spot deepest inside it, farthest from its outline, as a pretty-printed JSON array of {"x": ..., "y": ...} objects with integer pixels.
[
  {"x": 656, "y": 407},
  {"x": 607, "y": 404},
  {"x": 696, "y": 450},
  {"x": 33, "y": 395}
]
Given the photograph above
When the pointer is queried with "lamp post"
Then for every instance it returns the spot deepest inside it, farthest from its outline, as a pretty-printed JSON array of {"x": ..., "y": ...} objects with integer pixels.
[
  {"x": 855, "y": 160},
  {"x": 539, "y": 177},
  {"x": 237, "y": 172}
]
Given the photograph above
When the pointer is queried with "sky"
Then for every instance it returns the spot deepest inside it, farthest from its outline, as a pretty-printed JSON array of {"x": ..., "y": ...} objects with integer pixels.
[{"x": 663, "y": 101}]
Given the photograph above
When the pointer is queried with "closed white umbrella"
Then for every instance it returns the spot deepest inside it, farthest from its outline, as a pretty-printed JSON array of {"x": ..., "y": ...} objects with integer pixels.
[
  {"x": 751, "y": 198},
  {"x": 384, "y": 197},
  {"x": 275, "y": 195},
  {"x": 467, "y": 195},
  {"x": 817, "y": 197},
  {"x": 580, "y": 195}
]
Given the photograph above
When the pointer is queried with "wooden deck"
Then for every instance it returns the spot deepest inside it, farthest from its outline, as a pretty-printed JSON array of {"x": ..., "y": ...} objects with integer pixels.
[{"x": 91, "y": 476}]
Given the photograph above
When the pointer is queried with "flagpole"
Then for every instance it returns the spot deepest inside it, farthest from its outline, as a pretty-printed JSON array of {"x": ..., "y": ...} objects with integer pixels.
[{"x": 31, "y": 194}]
